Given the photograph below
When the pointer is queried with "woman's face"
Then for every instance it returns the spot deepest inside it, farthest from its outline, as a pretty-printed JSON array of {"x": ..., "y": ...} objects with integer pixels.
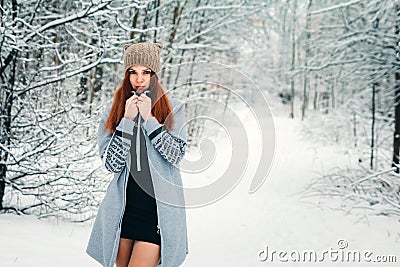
[{"x": 139, "y": 76}]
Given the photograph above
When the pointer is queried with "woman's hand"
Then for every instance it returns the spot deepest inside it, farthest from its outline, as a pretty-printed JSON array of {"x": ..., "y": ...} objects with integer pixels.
[
  {"x": 144, "y": 106},
  {"x": 131, "y": 109}
]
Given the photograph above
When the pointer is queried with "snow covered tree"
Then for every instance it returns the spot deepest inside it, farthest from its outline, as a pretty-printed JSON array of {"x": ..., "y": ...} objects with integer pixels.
[
  {"x": 60, "y": 64},
  {"x": 57, "y": 58}
]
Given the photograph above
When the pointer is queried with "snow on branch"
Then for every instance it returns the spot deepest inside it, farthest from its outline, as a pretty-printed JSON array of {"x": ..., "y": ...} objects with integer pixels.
[
  {"x": 339, "y": 6},
  {"x": 79, "y": 15}
]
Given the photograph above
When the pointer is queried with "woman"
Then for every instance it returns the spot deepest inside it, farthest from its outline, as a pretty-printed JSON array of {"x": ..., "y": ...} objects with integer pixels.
[{"x": 141, "y": 137}]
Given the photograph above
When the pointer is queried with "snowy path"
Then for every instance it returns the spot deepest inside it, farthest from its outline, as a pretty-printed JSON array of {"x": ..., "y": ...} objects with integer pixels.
[{"x": 233, "y": 230}]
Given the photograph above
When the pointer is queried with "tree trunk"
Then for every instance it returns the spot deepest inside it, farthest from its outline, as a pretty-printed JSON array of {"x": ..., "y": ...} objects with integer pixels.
[
  {"x": 156, "y": 5},
  {"x": 396, "y": 137},
  {"x": 183, "y": 51},
  {"x": 175, "y": 21},
  {"x": 293, "y": 58},
  {"x": 315, "y": 92},
  {"x": 283, "y": 44},
  {"x": 371, "y": 163},
  {"x": 307, "y": 52},
  {"x": 6, "y": 98},
  {"x": 134, "y": 23},
  {"x": 144, "y": 34}
]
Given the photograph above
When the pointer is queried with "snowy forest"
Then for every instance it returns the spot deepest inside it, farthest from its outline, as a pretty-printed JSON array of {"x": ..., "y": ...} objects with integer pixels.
[{"x": 331, "y": 66}]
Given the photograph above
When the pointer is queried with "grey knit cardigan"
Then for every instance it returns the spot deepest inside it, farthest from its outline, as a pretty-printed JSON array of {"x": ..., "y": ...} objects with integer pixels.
[{"x": 165, "y": 150}]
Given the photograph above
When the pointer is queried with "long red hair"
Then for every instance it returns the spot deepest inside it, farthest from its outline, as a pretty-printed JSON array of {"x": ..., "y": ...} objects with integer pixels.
[{"x": 161, "y": 107}]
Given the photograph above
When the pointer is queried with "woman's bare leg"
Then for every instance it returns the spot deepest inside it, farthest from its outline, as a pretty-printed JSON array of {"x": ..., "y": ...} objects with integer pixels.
[
  {"x": 144, "y": 254},
  {"x": 124, "y": 252}
]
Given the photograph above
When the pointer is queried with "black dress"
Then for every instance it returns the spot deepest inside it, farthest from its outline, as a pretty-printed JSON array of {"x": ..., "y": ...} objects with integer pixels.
[{"x": 140, "y": 216}]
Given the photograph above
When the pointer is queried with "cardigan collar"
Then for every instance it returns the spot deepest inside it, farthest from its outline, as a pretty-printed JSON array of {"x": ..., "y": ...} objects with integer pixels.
[{"x": 138, "y": 119}]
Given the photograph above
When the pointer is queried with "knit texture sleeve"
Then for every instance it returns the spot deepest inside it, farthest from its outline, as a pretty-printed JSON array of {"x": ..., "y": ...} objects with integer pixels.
[
  {"x": 114, "y": 147},
  {"x": 170, "y": 144}
]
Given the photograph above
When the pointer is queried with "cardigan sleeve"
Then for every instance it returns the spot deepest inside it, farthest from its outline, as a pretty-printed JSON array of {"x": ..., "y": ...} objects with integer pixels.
[
  {"x": 114, "y": 147},
  {"x": 170, "y": 144}
]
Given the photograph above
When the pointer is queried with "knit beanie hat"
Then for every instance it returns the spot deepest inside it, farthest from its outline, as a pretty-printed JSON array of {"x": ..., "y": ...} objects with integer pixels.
[{"x": 145, "y": 54}]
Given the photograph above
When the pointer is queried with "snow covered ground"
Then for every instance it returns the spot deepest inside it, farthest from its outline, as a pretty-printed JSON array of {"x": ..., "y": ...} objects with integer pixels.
[{"x": 234, "y": 230}]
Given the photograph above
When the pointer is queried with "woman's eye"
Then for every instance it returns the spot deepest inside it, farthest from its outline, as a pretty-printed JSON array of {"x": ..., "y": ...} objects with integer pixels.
[
  {"x": 147, "y": 72},
  {"x": 132, "y": 72}
]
